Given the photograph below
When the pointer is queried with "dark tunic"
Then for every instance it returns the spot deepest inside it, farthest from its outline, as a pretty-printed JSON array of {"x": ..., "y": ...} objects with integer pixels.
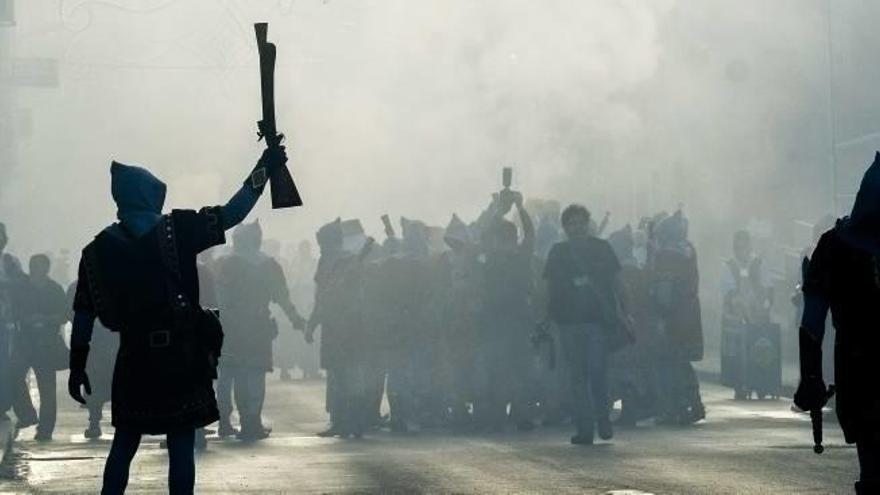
[
  {"x": 675, "y": 291},
  {"x": 847, "y": 278},
  {"x": 158, "y": 381},
  {"x": 41, "y": 309},
  {"x": 577, "y": 274},
  {"x": 245, "y": 287},
  {"x": 339, "y": 303},
  {"x": 507, "y": 319},
  {"x": 410, "y": 308}
]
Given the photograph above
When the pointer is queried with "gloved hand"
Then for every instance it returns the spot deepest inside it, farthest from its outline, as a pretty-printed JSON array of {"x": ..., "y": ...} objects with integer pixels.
[
  {"x": 78, "y": 378},
  {"x": 811, "y": 394},
  {"x": 271, "y": 159}
]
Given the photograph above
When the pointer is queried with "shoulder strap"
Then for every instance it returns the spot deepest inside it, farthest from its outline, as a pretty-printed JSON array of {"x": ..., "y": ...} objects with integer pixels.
[
  {"x": 611, "y": 309},
  {"x": 171, "y": 268}
]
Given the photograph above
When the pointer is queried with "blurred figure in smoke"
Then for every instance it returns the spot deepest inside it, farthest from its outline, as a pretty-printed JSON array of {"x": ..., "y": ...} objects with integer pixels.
[
  {"x": 748, "y": 296},
  {"x": 139, "y": 276},
  {"x": 11, "y": 277},
  {"x": 749, "y": 341},
  {"x": 675, "y": 293},
  {"x": 462, "y": 299},
  {"x": 338, "y": 311},
  {"x": 104, "y": 346},
  {"x": 631, "y": 370},
  {"x": 843, "y": 277},
  {"x": 409, "y": 340},
  {"x": 585, "y": 302},
  {"x": 507, "y": 318},
  {"x": 248, "y": 281},
  {"x": 40, "y": 312}
]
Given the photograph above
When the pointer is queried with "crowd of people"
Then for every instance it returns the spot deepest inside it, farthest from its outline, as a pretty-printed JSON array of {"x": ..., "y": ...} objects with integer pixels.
[
  {"x": 518, "y": 319},
  {"x": 527, "y": 316},
  {"x": 499, "y": 323}
]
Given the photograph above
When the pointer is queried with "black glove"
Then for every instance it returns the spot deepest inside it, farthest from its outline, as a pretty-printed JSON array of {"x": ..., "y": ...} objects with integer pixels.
[
  {"x": 272, "y": 158},
  {"x": 78, "y": 378},
  {"x": 811, "y": 392}
]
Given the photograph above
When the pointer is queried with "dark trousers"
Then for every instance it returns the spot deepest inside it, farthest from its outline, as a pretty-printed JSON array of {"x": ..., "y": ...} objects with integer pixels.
[
  {"x": 586, "y": 359},
  {"x": 400, "y": 387},
  {"x": 22, "y": 405},
  {"x": 347, "y": 400},
  {"x": 248, "y": 385},
  {"x": 504, "y": 381},
  {"x": 869, "y": 462},
  {"x": 96, "y": 412},
  {"x": 678, "y": 387},
  {"x": 181, "y": 461}
]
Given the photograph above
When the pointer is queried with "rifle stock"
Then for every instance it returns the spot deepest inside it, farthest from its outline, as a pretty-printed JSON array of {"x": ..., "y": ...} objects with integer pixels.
[{"x": 284, "y": 191}]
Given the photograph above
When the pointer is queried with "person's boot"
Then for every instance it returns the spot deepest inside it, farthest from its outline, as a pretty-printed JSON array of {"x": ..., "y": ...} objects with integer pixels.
[
  {"x": 582, "y": 437},
  {"x": 693, "y": 414},
  {"x": 254, "y": 433},
  {"x": 43, "y": 437},
  {"x": 605, "y": 430},
  {"x": 93, "y": 432},
  {"x": 226, "y": 430},
  {"x": 330, "y": 432}
]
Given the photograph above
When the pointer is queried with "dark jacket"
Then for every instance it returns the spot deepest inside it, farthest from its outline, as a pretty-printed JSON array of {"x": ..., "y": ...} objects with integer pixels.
[{"x": 41, "y": 309}]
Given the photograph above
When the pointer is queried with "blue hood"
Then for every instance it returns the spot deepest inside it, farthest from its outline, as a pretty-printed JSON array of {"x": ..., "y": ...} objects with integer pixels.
[
  {"x": 862, "y": 227},
  {"x": 139, "y": 197}
]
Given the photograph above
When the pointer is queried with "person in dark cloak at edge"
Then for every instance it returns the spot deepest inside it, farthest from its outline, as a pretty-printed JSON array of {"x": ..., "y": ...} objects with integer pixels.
[
  {"x": 40, "y": 311},
  {"x": 11, "y": 278},
  {"x": 139, "y": 277},
  {"x": 844, "y": 277}
]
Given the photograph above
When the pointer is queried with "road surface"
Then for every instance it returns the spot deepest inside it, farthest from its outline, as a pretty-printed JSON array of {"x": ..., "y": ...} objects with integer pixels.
[{"x": 742, "y": 448}]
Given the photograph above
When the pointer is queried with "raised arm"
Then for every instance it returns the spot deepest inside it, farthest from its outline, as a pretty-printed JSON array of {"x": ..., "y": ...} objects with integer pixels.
[
  {"x": 244, "y": 200},
  {"x": 528, "y": 242}
]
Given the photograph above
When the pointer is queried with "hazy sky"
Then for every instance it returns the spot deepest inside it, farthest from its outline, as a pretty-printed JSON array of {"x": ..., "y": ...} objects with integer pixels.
[{"x": 412, "y": 107}]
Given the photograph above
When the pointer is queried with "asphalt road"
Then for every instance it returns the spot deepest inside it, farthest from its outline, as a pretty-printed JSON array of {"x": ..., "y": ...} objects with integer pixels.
[{"x": 742, "y": 447}]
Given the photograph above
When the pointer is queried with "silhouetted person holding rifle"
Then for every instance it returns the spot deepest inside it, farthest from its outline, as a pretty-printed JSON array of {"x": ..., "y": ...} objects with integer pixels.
[
  {"x": 139, "y": 277},
  {"x": 843, "y": 275}
]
